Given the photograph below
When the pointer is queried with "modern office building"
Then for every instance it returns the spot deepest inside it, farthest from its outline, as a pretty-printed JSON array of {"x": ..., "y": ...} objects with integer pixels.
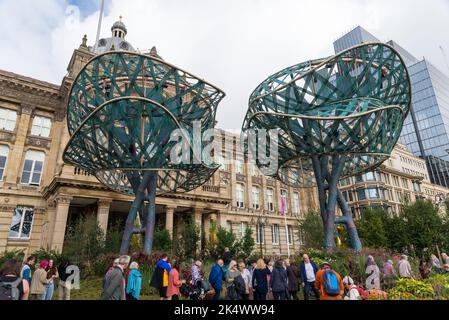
[
  {"x": 426, "y": 130},
  {"x": 41, "y": 196}
]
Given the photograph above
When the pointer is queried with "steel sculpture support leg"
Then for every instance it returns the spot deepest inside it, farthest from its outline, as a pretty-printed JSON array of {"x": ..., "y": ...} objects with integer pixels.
[
  {"x": 330, "y": 196},
  {"x": 151, "y": 214},
  {"x": 135, "y": 208},
  {"x": 348, "y": 221}
]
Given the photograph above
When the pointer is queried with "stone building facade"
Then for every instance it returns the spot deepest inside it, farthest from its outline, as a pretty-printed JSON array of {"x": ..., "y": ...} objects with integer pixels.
[
  {"x": 40, "y": 196},
  {"x": 400, "y": 180}
]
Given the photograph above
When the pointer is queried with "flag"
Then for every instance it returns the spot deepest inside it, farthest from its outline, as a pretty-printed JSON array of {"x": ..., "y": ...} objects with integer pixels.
[{"x": 283, "y": 204}]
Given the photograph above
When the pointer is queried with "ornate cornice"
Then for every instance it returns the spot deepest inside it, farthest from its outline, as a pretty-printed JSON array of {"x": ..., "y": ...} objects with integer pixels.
[{"x": 30, "y": 95}]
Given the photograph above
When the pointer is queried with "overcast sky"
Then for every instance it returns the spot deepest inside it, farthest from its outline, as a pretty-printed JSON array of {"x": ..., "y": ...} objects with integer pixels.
[{"x": 234, "y": 44}]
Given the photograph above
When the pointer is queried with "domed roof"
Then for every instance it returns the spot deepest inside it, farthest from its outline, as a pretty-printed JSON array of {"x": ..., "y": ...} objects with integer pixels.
[
  {"x": 119, "y": 25},
  {"x": 113, "y": 44}
]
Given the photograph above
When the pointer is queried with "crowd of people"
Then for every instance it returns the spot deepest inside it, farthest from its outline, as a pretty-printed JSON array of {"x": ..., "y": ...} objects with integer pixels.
[
  {"x": 264, "y": 279},
  {"x": 18, "y": 282}
]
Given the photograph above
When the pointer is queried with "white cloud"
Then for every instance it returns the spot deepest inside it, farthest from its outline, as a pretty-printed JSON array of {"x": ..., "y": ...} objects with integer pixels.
[{"x": 234, "y": 44}]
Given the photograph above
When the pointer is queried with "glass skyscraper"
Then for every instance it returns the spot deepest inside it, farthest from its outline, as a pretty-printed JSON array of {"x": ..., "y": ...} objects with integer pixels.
[{"x": 426, "y": 130}]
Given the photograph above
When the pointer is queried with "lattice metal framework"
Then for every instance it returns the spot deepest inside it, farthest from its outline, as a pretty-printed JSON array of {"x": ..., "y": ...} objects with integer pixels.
[
  {"x": 336, "y": 117},
  {"x": 122, "y": 110}
]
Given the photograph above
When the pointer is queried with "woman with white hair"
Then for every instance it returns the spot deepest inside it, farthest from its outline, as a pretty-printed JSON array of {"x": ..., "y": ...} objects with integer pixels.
[
  {"x": 351, "y": 288},
  {"x": 230, "y": 276},
  {"x": 436, "y": 264},
  {"x": 134, "y": 284},
  {"x": 405, "y": 269},
  {"x": 445, "y": 262}
]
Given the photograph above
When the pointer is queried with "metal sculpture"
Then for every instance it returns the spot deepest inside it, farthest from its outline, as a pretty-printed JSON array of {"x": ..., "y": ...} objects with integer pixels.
[
  {"x": 335, "y": 118},
  {"x": 122, "y": 110}
]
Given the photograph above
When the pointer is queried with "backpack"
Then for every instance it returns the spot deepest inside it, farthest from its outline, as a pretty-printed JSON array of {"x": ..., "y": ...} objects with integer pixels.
[
  {"x": 240, "y": 285},
  {"x": 331, "y": 286},
  {"x": 10, "y": 290}
]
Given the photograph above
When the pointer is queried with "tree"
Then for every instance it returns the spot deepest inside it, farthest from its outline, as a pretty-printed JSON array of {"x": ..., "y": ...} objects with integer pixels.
[
  {"x": 312, "y": 230},
  {"x": 187, "y": 246},
  {"x": 224, "y": 239},
  {"x": 85, "y": 242},
  {"x": 247, "y": 243},
  {"x": 162, "y": 241},
  {"x": 372, "y": 228},
  {"x": 423, "y": 225},
  {"x": 395, "y": 229}
]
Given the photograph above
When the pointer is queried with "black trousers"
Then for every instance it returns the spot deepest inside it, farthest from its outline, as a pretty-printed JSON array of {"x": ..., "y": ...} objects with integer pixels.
[
  {"x": 293, "y": 295},
  {"x": 281, "y": 295},
  {"x": 260, "y": 296},
  {"x": 310, "y": 286}
]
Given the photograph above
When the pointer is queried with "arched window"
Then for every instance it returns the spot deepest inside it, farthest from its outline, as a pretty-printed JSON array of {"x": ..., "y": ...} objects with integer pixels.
[
  {"x": 4, "y": 151},
  {"x": 33, "y": 168}
]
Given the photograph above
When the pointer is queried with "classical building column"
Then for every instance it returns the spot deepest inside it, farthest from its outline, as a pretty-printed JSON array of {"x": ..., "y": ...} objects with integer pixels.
[
  {"x": 103, "y": 214},
  {"x": 198, "y": 218},
  {"x": 62, "y": 213},
  {"x": 169, "y": 217},
  {"x": 207, "y": 226}
]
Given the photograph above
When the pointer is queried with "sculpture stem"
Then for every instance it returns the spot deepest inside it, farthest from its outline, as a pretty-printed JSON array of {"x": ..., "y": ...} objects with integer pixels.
[
  {"x": 151, "y": 214},
  {"x": 136, "y": 206},
  {"x": 348, "y": 221}
]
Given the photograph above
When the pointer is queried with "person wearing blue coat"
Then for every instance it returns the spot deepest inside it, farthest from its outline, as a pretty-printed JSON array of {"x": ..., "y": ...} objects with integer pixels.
[
  {"x": 278, "y": 282},
  {"x": 260, "y": 281},
  {"x": 216, "y": 278},
  {"x": 309, "y": 270},
  {"x": 134, "y": 285}
]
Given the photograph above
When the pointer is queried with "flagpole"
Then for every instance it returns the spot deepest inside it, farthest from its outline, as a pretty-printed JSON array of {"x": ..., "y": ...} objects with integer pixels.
[
  {"x": 100, "y": 20},
  {"x": 284, "y": 213},
  {"x": 286, "y": 235}
]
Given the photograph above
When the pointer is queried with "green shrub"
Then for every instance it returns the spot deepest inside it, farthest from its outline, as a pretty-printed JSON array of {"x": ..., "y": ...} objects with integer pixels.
[
  {"x": 114, "y": 238},
  {"x": 162, "y": 241},
  {"x": 43, "y": 254},
  {"x": 440, "y": 285},
  {"x": 85, "y": 243},
  {"x": 312, "y": 230},
  {"x": 409, "y": 289},
  {"x": 187, "y": 244},
  {"x": 247, "y": 244},
  {"x": 18, "y": 255}
]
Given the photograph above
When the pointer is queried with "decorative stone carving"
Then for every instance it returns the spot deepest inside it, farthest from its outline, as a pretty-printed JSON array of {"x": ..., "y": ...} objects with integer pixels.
[
  {"x": 7, "y": 136},
  {"x": 39, "y": 142},
  {"x": 241, "y": 178},
  {"x": 64, "y": 200},
  {"x": 7, "y": 208},
  {"x": 60, "y": 115},
  {"x": 225, "y": 175},
  {"x": 26, "y": 108},
  {"x": 104, "y": 203}
]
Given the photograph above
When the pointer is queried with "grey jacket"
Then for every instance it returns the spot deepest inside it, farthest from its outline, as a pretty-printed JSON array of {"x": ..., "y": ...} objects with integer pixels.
[{"x": 114, "y": 288}]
